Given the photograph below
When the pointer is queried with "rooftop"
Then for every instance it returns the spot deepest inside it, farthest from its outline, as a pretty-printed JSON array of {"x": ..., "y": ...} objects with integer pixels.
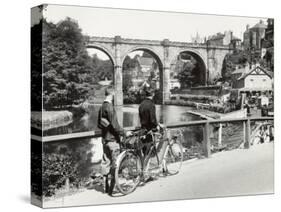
[
  {"x": 246, "y": 71},
  {"x": 260, "y": 25}
]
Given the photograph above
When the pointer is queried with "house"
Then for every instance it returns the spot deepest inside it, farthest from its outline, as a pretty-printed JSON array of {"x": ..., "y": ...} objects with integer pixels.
[
  {"x": 174, "y": 84},
  {"x": 147, "y": 65},
  {"x": 255, "y": 79}
]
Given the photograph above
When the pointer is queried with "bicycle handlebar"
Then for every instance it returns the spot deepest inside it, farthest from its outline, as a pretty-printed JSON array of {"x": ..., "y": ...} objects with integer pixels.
[{"x": 152, "y": 131}]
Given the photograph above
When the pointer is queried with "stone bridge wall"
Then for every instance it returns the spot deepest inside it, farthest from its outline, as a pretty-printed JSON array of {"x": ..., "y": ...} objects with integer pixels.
[{"x": 165, "y": 52}]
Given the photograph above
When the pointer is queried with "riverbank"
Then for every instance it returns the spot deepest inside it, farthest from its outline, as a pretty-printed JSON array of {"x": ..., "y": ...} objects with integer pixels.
[{"x": 50, "y": 119}]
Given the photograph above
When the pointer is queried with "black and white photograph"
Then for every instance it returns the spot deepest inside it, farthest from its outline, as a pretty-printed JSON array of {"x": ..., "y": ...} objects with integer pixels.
[{"x": 132, "y": 106}]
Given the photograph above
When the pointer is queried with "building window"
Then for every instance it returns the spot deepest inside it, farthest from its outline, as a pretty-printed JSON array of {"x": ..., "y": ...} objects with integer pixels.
[
  {"x": 263, "y": 80},
  {"x": 251, "y": 80}
]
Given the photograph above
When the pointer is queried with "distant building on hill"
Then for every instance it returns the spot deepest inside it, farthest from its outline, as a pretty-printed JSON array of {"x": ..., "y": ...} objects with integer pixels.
[
  {"x": 252, "y": 38},
  {"x": 197, "y": 39},
  {"x": 225, "y": 38}
]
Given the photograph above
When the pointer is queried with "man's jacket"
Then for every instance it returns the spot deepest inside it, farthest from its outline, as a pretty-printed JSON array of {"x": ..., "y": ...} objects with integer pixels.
[
  {"x": 147, "y": 114},
  {"x": 113, "y": 131}
]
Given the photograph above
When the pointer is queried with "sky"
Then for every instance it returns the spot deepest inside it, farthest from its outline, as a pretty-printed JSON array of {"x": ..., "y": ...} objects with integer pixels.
[
  {"x": 153, "y": 25},
  {"x": 101, "y": 55}
]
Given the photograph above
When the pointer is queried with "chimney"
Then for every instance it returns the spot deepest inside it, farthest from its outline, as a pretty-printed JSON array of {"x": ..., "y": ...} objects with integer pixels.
[{"x": 247, "y": 27}]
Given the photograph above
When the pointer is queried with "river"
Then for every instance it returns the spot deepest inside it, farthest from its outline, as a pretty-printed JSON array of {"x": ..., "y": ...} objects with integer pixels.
[{"x": 127, "y": 117}]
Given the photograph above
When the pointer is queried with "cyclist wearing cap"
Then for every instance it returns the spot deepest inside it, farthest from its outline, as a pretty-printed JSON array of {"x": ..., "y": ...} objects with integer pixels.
[{"x": 147, "y": 112}]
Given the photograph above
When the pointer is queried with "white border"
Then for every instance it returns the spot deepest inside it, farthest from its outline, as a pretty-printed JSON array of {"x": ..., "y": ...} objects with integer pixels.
[{"x": 15, "y": 102}]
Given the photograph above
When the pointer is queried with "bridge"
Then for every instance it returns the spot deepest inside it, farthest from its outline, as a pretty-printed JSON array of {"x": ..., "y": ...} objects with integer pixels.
[{"x": 209, "y": 57}]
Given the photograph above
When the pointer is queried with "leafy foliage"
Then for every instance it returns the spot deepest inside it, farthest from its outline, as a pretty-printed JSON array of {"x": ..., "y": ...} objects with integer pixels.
[
  {"x": 186, "y": 75},
  {"x": 57, "y": 168},
  {"x": 66, "y": 161},
  {"x": 231, "y": 61},
  {"x": 131, "y": 63},
  {"x": 101, "y": 69},
  {"x": 66, "y": 64},
  {"x": 127, "y": 82},
  {"x": 187, "y": 69}
]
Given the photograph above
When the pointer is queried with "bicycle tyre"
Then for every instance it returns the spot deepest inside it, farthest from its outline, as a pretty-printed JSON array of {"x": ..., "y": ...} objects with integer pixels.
[
  {"x": 173, "y": 156},
  {"x": 128, "y": 172}
]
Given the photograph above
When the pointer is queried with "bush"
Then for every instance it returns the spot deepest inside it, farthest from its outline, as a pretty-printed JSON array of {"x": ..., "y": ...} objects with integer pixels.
[
  {"x": 57, "y": 168},
  {"x": 66, "y": 160}
]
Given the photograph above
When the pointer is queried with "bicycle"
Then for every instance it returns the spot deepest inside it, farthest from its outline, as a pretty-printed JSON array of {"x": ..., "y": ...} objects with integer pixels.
[{"x": 136, "y": 161}]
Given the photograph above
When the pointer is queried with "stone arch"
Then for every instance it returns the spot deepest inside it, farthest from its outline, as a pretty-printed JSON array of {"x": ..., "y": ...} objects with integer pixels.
[
  {"x": 147, "y": 49},
  {"x": 159, "y": 62},
  {"x": 108, "y": 53},
  {"x": 201, "y": 62},
  {"x": 104, "y": 50}
]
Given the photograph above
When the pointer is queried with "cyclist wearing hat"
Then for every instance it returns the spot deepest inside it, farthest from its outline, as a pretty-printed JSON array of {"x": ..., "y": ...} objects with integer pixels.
[{"x": 147, "y": 111}]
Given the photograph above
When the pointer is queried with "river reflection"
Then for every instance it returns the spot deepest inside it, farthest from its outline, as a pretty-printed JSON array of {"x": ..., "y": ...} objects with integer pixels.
[{"x": 128, "y": 116}]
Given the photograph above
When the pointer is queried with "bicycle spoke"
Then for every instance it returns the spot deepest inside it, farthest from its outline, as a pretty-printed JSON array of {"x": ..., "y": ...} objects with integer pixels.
[{"x": 128, "y": 173}]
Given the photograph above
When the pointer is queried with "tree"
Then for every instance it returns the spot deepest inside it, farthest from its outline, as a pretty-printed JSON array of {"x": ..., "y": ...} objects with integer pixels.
[
  {"x": 66, "y": 64},
  {"x": 151, "y": 76},
  {"x": 127, "y": 82},
  {"x": 131, "y": 63},
  {"x": 231, "y": 61},
  {"x": 186, "y": 76},
  {"x": 227, "y": 68},
  {"x": 101, "y": 69}
]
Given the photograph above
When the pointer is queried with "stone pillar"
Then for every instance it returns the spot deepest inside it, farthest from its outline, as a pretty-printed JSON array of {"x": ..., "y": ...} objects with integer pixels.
[
  {"x": 165, "y": 81},
  {"x": 119, "y": 113},
  {"x": 211, "y": 73},
  {"x": 118, "y": 82},
  {"x": 118, "y": 100},
  {"x": 166, "y": 84}
]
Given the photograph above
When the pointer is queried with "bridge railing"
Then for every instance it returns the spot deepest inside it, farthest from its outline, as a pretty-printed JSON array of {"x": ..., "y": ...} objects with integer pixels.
[{"x": 206, "y": 124}]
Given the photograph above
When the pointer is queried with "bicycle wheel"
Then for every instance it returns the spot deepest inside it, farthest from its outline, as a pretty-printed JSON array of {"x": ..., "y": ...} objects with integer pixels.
[
  {"x": 128, "y": 172},
  {"x": 173, "y": 156}
]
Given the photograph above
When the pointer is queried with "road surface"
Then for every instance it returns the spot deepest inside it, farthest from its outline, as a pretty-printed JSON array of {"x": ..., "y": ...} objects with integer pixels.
[{"x": 230, "y": 173}]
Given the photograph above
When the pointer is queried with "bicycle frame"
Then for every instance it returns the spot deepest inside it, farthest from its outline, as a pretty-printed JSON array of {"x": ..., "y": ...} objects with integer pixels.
[
  {"x": 139, "y": 162},
  {"x": 144, "y": 158}
]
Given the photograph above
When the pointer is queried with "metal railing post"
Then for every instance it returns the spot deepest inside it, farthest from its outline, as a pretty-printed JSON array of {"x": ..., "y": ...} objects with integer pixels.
[
  {"x": 247, "y": 134},
  {"x": 220, "y": 135},
  {"x": 206, "y": 140}
]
